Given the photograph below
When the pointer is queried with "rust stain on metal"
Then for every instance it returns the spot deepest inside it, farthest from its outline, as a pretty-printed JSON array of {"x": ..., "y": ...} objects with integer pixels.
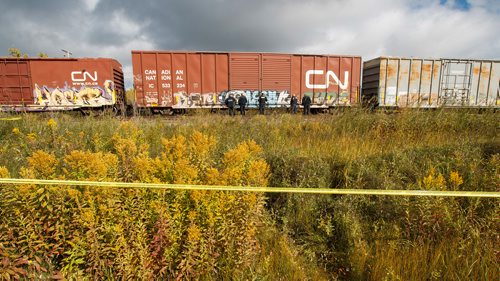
[
  {"x": 435, "y": 71},
  {"x": 485, "y": 70},
  {"x": 391, "y": 71},
  {"x": 426, "y": 74},
  {"x": 415, "y": 72},
  {"x": 382, "y": 72}
]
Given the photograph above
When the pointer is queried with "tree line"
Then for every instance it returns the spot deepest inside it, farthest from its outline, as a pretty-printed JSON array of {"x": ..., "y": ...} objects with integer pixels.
[{"x": 16, "y": 53}]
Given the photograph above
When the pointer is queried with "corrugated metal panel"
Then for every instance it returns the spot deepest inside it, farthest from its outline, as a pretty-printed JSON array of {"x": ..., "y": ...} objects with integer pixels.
[
  {"x": 414, "y": 82},
  {"x": 193, "y": 81},
  {"x": 165, "y": 79},
  {"x": 138, "y": 85},
  {"x": 15, "y": 83},
  {"x": 222, "y": 72},
  {"x": 208, "y": 73},
  {"x": 276, "y": 72},
  {"x": 150, "y": 79},
  {"x": 245, "y": 71},
  {"x": 371, "y": 78},
  {"x": 119, "y": 85},
  {"x": 296, "y": 83},
  {"x": 179, "y": 67}
]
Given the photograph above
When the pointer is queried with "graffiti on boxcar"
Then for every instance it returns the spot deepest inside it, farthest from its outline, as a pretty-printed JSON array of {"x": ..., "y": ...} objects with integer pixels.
[
  {"x": 70, "y": 96},
  {"x": 329, "y": 98},
  {"x": 274, "y": 98}
]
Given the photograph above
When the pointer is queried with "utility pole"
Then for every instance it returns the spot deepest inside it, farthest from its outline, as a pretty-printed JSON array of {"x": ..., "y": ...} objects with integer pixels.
[{"x": 67, "y": 53}]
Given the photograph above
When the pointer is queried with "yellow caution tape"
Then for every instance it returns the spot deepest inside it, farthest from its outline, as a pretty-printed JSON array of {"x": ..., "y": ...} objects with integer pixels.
[
  {"x": 10, "y": 118},
  {"x": 257, "y": 189}
]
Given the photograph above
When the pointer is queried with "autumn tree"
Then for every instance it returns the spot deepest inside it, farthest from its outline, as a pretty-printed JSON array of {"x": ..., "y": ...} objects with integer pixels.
[{"x": 15, "y": 52}]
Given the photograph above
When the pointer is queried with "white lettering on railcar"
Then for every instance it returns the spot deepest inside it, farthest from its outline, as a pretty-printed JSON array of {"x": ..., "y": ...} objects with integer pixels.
[
  {"x": 82, "y": 76},
  {"x": 329, "y": 74}
]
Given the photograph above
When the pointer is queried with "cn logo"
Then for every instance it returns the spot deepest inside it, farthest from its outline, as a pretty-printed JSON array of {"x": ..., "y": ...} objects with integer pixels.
[
  {"x": 82, "y": 76},
  {"x": 329, "y": 74}
]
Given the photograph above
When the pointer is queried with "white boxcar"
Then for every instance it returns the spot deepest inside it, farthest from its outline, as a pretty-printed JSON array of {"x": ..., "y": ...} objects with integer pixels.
[{"x": 431, "y": 83}]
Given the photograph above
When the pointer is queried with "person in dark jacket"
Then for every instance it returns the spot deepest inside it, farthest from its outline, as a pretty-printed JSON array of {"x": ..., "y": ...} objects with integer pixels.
[
  {"x": 262, "y": 103},
  {"x": 242, "y": 102},
  {"x": 230, "y": 103},
  {"x": 306, "y": 102},
  {"x": 294, "y": 104}
]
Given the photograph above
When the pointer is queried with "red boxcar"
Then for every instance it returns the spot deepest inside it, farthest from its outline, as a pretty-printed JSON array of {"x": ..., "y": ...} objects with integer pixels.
[
  {"x": 35, "y": 84},
  {"x": 175, "y": 79}
]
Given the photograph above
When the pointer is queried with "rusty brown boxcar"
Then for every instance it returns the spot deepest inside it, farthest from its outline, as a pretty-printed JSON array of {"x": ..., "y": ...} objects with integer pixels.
[
  {"x": 39, "y": 84},
  {"x": 177, "y": 79},
  {"x": 432, "y": 83}
]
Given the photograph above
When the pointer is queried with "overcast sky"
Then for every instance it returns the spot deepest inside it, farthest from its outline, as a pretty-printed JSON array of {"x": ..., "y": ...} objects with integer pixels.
[{"x": 370, "y": 28}]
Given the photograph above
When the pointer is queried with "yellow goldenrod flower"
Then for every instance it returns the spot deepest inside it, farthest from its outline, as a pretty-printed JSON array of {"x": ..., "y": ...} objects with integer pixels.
[
  {"x": 455, "y": 179},
  {"x": 31, "y": 136},
  {"x": 52, "y": 124}
]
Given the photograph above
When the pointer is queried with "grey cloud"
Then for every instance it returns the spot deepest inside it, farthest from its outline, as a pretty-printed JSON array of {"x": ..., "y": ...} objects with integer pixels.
[{"x": 367, "y": 28}]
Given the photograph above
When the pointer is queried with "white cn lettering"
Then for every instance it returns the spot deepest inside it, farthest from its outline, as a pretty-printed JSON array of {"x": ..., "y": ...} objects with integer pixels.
[
  {"x": 329, "y": 74},
  {"x": 81, "y": 76}
]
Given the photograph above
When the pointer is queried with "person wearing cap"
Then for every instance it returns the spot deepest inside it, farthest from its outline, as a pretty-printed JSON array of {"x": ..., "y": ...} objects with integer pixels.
[{"x": 230, "y": 103}]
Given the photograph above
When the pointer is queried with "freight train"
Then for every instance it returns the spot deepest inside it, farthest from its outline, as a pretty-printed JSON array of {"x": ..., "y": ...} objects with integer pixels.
[{"x": 165, "y": 81}]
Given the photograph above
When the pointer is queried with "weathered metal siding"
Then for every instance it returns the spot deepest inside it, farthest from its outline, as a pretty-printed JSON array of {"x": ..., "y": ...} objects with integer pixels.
[
  {"x": 59, "y": 84},
  {"x": 201, "y": 79},
  {"x": 413, "y": 82}
]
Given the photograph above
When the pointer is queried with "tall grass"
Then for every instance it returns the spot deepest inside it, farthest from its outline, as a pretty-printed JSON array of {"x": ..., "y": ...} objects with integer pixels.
[{"x": 296, "y": 236}]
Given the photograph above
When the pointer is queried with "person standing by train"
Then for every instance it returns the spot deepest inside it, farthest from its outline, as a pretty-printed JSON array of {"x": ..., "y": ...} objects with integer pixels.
[
  {"x": 262, "y": 103},
  {"x": 294, "y": 104},
  {"x": 242, "y": 102},
  {"x": 230, "y": 103},
  {"x": 306, "y": 102}
]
